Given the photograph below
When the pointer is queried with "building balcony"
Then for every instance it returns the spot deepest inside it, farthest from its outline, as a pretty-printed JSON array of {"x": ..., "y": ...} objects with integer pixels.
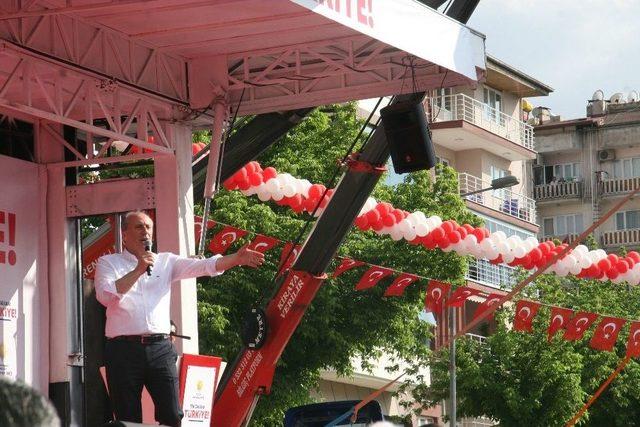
[
  {"x": 497, "y": 276},
  {"x": 618, "y": 186},
  {"x": 558, "y": 190},
  {"x": 629, "y": 237},
  {"x": 504, "y": 201},
  {"x": 460, "y": 122},
  {"x": 566, "y": 238}
]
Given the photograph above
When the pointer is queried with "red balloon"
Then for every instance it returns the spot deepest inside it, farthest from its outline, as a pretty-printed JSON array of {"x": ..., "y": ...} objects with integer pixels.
[
  {"x": 362, "y": 222},
  {"x": 437, "y": 234},
  {"x": 388, "y": 220},
  {"x": 497, "y": 260},
  {"x": 195, "y": 149},
  {"x": 447, "y": 226},
  {"x": 635, "y": 256},
  {"x": 613, "y": 258},
  {"x": 629, "y": 262},
  {"x": 470, "y": 228},
  {"x": 428, "y": 241},
  {"x": 373, "y": 216},
  {"x": 229, "y": 184},
  {"x": 479, "y": 233},
  {"x": 622, "y": 266},
  {"x": 486, "y": 231},
  {"x": 378, "y": 225},
  {"x": 249, "y": 167},
  {"x": 535, "y": 254},
  {"x": 454, "y": 237},
  {"x": 255, "y": 179},
  {"x": 310, "y": 205},
  {"x": 269, "y": 173},
  {"x": 463, "y": 232},
  {"x": 612, "y": 273},
  {"x": 604, "y": 264},
  {"x": 384, "y": 208},
  {"x": 397, "y": 213},
  {"x": 316, "y": 190},
  {"x": 244, "y": 185}
]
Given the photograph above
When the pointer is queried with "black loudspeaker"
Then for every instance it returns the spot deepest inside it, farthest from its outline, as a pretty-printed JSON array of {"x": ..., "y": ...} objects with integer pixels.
[{"x": 408, "y": 136}]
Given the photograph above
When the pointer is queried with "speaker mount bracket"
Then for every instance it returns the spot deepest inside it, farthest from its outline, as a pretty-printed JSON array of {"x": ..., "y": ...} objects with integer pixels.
[{"x": 357, "y": 165}]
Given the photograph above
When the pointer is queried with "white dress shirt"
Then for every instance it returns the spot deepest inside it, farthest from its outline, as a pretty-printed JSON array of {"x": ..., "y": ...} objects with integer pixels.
[{"x": 145, "y": 308}]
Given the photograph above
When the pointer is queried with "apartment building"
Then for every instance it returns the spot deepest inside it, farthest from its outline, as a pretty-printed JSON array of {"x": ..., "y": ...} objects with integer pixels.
[
  {"x": 585, "y": 166},
  {"x": 483, "y": 133}
]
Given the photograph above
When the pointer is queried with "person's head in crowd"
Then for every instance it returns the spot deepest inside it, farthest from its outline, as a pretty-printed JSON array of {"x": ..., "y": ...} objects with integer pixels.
[{"x": 22, "y": 406}]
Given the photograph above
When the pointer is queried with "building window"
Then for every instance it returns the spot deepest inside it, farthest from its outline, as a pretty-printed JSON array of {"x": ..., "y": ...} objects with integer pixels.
[
  {"x": 443, "y": 98},
  {"x": 493, "y": 225},
  {"x": 562, "y": 225},
  {"x": 626, "y": 168},
  {"x": 564, "y": 172},
  {"x": 627, "y": 220},
  {"x": 493, "y": 100},
  {"x": 499, "y": 173}
]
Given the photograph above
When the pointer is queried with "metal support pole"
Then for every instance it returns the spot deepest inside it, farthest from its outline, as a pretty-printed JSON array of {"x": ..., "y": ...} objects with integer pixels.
[
  {"x": 213, "y": 167},
  {"x": 118, "y": 232},
  {"x": 452, "y": 368}
]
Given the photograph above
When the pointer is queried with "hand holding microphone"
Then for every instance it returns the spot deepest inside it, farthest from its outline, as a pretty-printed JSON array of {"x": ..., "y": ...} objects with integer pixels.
[{"x": 148, "y": 257}]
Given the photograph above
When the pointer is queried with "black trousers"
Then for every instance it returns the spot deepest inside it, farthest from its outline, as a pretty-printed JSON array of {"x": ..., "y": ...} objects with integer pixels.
[{"x": 130, "y": 365}]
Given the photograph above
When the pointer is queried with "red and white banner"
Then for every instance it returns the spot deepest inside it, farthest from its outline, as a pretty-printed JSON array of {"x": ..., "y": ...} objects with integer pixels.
[
  {"x": 410, "y": 26},
  {"x": 24, "y": 350}
]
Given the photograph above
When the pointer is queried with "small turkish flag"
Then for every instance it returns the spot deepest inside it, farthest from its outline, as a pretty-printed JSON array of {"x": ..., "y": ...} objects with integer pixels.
[
  {"x": 578, "y": 325},
  {"x": 606, "y": 333},
  {"x": 633, "y": 343},
  {"x": 525, "y": 313},
  {"x": 288, "y": 256},
  {"x": 460, "y": 295},
  {"x": 198, "y": 227},
  {"x": 262, "y": 243},
  {"x": 492, "y": 299},
  {"x": 398, "y": 286},
  {"x": 559, "y": 320},
  {"x": 345, "y": 265},
  {"x": 221, "y": 242},
  {"x": 372, "y": 276},
  {"x": 436, "y": 294}
]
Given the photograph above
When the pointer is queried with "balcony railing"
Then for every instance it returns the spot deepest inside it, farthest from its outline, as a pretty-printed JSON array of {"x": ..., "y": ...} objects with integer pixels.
[
  {"x": 619, "y": 185},
  {"x": 498, "y": 276},
  {"x": 566, "y": 238},
  {"x": 463, "y": 107},
  {"x": 503, "y": 200},
  {"x": 558, "y": 190},
  {"x": 475, "y": 337},
  {"x": 630, "y": 237}
]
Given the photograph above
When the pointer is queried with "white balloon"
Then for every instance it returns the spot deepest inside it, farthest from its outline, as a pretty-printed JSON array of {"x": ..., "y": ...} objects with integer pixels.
[
  {"x": 581, "y": 249},
  {"x": 410, "y": 234},
  {"x": 491, "y": 254},
  {"x": 277, "y": 195},
  {"x": 561, "y": 271},
  {"x": 421, "y": 228},
  {"x": 575, "y": 269},
  {"x": 503, "y": 248},
  {"x": 272, "y": 185},
  {"x": 470, "y": 242},
  {"x": 532, "y": 242},
  {"x": 395, "y": 233},
  {"x": 289, "y": 190},
  {"x": 264, "y": 196},
  {"x": 437, "y": 221},
  {"x": 498, "y": 236},
  {"x": 508, "y": 257},
  {"x": 584, "y": 261},
  {"x": 447, "y": 249},
  {"x": 486, "y": 245},
  {"x": 519, "y": 251},
  {"x": 250, "y": 191}
]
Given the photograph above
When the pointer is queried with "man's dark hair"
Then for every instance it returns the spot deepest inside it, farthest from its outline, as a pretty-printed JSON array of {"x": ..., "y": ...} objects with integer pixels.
[{"x": 22, "y": 406}]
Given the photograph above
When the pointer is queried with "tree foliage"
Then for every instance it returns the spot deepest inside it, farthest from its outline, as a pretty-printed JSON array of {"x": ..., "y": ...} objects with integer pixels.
[
  {"x": 521, "y": 379},
  {"x": 341, "y": 323}
]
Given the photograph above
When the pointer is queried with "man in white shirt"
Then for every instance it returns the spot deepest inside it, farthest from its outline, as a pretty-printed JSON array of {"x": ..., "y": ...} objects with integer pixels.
[{"x": 135, "y": 287}]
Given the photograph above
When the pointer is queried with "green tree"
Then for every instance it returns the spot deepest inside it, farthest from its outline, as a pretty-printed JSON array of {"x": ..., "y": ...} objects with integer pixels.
[
  {"x": 522, "y": 379},
  {"x": 340, "y": 323}
]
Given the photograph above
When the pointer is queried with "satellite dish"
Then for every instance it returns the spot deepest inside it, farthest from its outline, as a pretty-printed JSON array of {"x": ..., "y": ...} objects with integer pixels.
[
  {"x": 617, "y": 98},
  {"x": 597, "y": 95},
  {"x": 633, "y": 96}
]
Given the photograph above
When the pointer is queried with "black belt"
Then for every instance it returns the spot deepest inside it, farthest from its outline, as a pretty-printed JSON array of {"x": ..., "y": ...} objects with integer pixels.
[{"x": 142, "y": 339}]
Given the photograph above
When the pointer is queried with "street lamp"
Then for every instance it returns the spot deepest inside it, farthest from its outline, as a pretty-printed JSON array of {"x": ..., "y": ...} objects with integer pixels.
[{"x": 496, "y": 184}]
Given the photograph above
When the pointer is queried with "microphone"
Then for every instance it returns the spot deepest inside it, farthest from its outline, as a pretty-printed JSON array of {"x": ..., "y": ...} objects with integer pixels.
[{"x": 147, "y": 248}]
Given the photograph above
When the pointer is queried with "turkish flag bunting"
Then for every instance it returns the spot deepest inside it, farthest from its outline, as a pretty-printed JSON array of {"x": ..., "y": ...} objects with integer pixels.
[
  {"x": 436, "y": 293},
  {"x": 525, "y": 313},
  {"x": 262, "y": 243},
  {"x": 221, "y": 242},
  {"x": 559, "y": 320},
  {"x": 198, "y": 227},
  {"x": 288, "y": 256},
  {"x": 633, "y": 343},
  {"x": 606, "y": 333},
  {"x": 372, "y": 276},
  {"x": 347, "y": 264},
  {"x": 460, "y": 295},
  {"x": 402, "y": 281},
  {"x": 491, "y": 300},
  {"x": 578, "y": 325}
]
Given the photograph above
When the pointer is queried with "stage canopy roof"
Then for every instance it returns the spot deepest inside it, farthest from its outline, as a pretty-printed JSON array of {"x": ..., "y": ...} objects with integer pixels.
[{"x": 275, "y": 54}]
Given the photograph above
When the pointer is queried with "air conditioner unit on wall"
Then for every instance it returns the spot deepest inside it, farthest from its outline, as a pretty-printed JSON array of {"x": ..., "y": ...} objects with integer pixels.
[{"x": 604, "y": 155}]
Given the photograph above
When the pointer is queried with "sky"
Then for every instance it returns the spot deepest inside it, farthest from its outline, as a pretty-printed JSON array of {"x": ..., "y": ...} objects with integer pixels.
[{"x": 574, "y": 46}]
